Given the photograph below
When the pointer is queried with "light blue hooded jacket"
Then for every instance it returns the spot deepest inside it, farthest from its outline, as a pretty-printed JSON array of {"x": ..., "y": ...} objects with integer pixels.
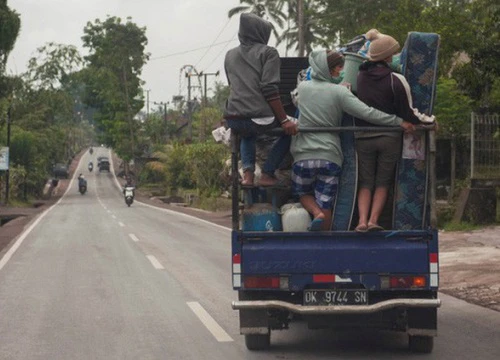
[{"x": 321, "y": 104}]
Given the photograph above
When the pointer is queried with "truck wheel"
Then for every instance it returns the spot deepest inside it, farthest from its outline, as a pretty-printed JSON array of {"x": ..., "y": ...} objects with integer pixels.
[
  {"x": 421, "y": 344},
  {"x": 258, "y": 341}
]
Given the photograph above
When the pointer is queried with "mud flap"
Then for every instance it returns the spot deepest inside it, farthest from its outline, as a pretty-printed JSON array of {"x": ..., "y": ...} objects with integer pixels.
[
  {"x": 254, "y": 322},
  {"x": 422, "y": 322}
]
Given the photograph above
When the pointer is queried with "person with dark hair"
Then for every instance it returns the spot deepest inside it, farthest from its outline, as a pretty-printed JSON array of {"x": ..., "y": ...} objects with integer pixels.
[
  {"x": 254, "y": 105},
  {"x": 378, "y": 152},
  {"x": 318, "y": 155}
]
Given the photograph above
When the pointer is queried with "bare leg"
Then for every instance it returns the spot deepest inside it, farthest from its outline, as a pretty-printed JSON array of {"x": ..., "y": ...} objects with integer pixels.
[
  {"x": 309, "y": 203},
  {"x": 379, "y": 199},
  {"x": 267, "y": 180},
  {"x": 364, "y": 202},
  {"x": 327, "y": 223}
]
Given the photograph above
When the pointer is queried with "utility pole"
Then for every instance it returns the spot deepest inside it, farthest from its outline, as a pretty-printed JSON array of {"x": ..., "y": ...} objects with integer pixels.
[
  {"x": 147, "y": 104},
  {"x": 204, "y": 74},
  {"x": 165, "y": 120},
  {"x": 164, "y": 116},
  {"x": 300, "y": 18},
  {"x": 7, "y": 172},
  {"x": 190, "y": 121}
]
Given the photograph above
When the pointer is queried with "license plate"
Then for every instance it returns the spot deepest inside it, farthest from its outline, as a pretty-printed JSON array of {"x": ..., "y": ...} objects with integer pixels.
[{"x": 336, "y": 297}]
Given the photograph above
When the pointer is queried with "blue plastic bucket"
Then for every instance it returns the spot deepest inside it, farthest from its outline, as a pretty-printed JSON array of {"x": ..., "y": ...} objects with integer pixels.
[{"x": 261, "y": 217}]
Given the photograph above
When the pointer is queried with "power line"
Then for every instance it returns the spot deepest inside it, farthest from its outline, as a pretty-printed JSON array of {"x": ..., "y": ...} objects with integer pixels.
[
  {"x": 222, "y": 50},
  {"x": 192, "y": 50},
  {"x": 219, "y": 34}
]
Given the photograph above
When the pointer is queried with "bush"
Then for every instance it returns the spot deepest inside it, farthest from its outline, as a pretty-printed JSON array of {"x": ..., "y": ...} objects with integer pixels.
[{"x": 205, "y": 162}]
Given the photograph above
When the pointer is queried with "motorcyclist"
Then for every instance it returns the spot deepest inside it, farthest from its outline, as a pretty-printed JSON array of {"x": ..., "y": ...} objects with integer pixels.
[
  {"x": 128, "y": 184},
  {"x": 91, "y": 166},
  {"x": 81, "y": 181},
  {"x": 91, "y": 150}
]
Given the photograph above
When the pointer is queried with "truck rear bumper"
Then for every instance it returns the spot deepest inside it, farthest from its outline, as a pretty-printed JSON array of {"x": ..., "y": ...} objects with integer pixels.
[{"x": 342, "y": 309}]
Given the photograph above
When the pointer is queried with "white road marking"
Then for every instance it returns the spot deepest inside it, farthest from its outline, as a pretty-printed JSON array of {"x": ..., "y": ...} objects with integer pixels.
[
  {"x": 109, "y": 211},
  {"x": 157, "y": 265},
  {"x": 113, "y": 216},
  {"x": 133, "y": 237},
  {"x": 209, "y": 322},
  {"x": 121, "y": 224},
  {"x": 25, "y": 233}
]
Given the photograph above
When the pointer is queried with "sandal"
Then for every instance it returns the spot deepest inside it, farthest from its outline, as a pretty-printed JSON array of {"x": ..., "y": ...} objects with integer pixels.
[
  {"x": 361, "y": 228},
  {"x": 316, "y": 225},
  {"x": 375, "y": 227}
]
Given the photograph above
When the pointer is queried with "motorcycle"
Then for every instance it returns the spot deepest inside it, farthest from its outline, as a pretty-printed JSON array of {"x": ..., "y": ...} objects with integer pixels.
[
  {"x": 91, "y": 151},
  {"x": 91, "y": 166},
  {"x": 128, "y": 192},
  {"x": 82, "y": 184}
]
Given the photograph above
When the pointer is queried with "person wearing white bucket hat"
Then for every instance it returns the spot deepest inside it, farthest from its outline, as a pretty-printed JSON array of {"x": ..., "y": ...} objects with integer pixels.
[{"x": 378, "y": 152}]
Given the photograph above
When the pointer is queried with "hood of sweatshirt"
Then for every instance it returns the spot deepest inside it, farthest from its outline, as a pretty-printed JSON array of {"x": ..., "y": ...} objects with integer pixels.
[
  {"x": 254, "y": 30},
  {"x": 375, "y": 70},
  {"x": 319, "y": 66}
]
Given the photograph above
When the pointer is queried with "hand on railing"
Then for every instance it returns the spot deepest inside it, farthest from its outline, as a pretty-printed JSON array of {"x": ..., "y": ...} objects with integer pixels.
[
  {"x": 408, "y": 127},
  {"x": 289, "y": 126}
]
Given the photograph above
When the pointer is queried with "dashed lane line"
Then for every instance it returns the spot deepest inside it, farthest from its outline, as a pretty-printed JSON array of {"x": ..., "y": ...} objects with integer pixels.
[
  {"x": 215, "y": 329},
  {"x": 154, "y": 261},
  {"x": 133, "y": 237}
]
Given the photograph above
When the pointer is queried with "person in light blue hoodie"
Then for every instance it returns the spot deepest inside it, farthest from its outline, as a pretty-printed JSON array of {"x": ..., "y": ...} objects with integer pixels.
[{"x": 318, "y": 155}]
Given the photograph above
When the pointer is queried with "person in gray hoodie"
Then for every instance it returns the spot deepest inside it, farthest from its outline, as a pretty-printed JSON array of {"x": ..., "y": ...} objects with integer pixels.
[
  {"x": 318, "y": 155},
  {"x": 254, "y": 105}
]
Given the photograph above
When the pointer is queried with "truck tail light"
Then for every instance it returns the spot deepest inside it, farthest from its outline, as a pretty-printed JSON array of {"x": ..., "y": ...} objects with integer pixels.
[
  {"x": 403, "y": 282},
  {"x": 265, "y": 282}
]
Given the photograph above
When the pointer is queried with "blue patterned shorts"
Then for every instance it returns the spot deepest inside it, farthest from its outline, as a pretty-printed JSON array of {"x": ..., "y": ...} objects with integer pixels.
[{"x": 316, "y": 177}]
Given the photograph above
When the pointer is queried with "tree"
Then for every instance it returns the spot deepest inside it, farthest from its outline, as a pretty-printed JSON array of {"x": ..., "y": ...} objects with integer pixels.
[
  {"x": 53, "y": 65},
  {"x": 10, "y": 23},
  {"x": 117, "y": 56},
  {"x": 311, "y": 33},
  {"x": 266, "y": 9}
]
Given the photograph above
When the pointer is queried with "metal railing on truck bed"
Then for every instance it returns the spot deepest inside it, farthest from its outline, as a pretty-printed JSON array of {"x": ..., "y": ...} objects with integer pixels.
[{"x": 430, "y": 160}]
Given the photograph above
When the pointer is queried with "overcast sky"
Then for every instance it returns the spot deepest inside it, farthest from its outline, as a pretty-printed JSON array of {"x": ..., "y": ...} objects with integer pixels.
[{"x": 173, "y": 27}]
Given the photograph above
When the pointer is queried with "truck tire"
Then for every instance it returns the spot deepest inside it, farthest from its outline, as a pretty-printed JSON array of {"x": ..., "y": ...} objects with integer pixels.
[
  {"x": 421, "y": 344},
  {"x": 258, "y": 341}
]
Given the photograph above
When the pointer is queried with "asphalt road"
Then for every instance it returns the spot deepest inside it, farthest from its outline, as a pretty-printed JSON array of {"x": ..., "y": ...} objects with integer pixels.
[{"x": 91, "y": 278}]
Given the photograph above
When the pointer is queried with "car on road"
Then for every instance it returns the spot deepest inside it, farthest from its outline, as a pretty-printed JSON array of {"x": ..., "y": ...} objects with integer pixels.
[
  {"x": 60, "y": 171},
  {"x": 103, "y": 165}
]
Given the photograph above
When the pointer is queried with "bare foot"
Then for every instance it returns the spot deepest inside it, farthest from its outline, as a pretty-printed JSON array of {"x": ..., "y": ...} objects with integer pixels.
[
  {"x": 248, "y": 177},
  {"x": 267, "y": 180},
  {"x": 361, "y": 228}
]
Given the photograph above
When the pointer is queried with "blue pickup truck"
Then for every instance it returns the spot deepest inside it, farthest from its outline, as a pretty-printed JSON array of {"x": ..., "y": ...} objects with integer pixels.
[
  {"x": 335, "y": 279},
  {"x": 340, "y": 279}
]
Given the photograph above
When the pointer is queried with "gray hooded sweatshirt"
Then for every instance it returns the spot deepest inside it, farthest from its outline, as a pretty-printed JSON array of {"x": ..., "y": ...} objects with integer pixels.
[
  {"x": 321, "y": 104},
  {"x": 252, "y": 70}
]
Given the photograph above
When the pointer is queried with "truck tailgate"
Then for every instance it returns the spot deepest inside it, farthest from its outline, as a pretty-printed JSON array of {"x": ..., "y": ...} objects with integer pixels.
[{"x": 306, "y": 253}]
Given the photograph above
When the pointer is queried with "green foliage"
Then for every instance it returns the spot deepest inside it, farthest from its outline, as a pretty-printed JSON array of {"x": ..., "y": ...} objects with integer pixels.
[
  {"x": 113, "y": 85},
  {"x": 452, "y": 108},
  {"x": 204, "y": 121},
  {"x": 189, "y": 166},
  {"x": 462, "y": 226},
  {"x": 10, "y": 23},
  {"x": 53, "y": 65},
  {"x": 205, "y": 163}
]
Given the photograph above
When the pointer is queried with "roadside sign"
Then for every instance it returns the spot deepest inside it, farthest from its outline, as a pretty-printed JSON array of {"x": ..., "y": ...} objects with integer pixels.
[{"x": 4, "y": 158}]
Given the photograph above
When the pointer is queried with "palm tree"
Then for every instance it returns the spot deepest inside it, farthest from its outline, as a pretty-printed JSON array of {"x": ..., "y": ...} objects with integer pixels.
[
  {"x": 311, "y": 32},
  {"x": 266, "y": 9}
]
